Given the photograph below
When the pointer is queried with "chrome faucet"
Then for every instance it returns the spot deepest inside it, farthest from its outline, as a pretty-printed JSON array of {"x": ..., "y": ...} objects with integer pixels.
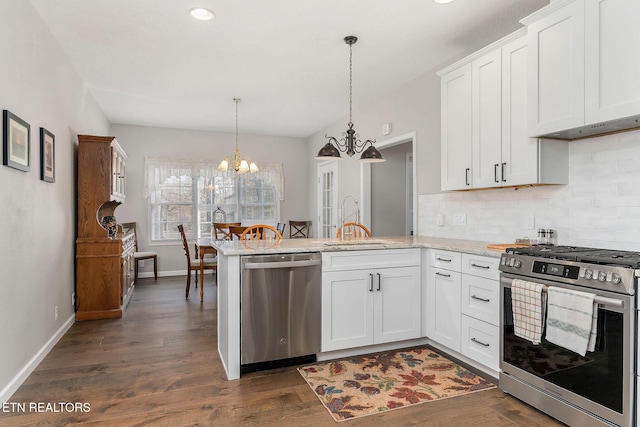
[{"x": 343, "y": 218}]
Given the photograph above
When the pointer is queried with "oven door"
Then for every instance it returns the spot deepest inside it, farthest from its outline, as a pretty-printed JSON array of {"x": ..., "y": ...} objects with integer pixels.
[{"x": 599, "y": 383}]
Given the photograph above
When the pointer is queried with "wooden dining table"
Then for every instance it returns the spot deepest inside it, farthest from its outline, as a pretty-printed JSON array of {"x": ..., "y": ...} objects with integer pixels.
[{"x": 204, "y": 246}]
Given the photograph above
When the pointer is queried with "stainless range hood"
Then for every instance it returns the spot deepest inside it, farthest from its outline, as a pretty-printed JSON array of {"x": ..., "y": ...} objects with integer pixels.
[{"x": 596, "y": 129}]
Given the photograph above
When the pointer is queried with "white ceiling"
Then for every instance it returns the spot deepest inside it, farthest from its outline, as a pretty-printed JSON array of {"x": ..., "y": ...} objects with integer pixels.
[{"x": 148, "y": 62}]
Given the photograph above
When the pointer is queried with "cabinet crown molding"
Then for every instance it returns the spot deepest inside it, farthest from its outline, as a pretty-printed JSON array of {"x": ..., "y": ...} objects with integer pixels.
[
  {"x": 547, "y": 10},
  {"x": 479, "y": 53}
]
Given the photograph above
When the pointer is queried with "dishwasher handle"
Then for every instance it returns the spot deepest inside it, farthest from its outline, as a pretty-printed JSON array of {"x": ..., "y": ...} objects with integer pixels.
[{"x": 281, "y": 264}]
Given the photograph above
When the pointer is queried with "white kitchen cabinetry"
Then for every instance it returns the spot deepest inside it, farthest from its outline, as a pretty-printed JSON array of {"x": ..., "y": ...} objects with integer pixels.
[
  {"x": 501, "y": 152},
  {"x": 480, "y": 338},
  {"x": 612, "y": 48},
  {"x": 444, "y": 290},
  {"x": 583, "y": 66},
  {"x": 456, "y": 128},
  {"x": 486, "y": 73},
  {"x": 463, "y": 305},
  {"x": 370, "y": 297}
]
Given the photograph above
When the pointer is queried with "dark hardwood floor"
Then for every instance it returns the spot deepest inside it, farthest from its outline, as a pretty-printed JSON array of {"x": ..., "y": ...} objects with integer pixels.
[{"x": 159, "y": 366}]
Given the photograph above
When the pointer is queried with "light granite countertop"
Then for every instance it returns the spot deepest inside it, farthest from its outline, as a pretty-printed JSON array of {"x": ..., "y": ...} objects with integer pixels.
[{"x": 231, "y": 248}]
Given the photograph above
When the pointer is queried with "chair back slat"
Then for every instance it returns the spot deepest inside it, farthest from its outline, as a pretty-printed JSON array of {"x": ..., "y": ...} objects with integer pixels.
[
  {"x": 221, "y": 230},
  {"x": 353, "y": 231}
]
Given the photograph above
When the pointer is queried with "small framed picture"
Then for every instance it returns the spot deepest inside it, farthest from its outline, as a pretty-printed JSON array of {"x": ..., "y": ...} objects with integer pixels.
[
  {"x": 47, "y": 156},
  {"x": 17, "y": 142}
]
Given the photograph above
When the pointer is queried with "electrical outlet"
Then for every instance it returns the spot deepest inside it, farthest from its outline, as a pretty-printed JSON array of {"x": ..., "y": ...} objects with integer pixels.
[
  {"x": 55, "y": 313},
  {"x": 459, "y": 219},
  {"x": 141, "y": 263},
  {"x": 73, "y": 299},
  {"x": 440, "y": 220}
]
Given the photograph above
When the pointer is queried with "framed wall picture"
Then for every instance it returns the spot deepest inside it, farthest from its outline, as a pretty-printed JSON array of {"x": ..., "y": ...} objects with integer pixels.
[
  {"x": 16, "y": 142},
  {"x": 47, "y": 156}
]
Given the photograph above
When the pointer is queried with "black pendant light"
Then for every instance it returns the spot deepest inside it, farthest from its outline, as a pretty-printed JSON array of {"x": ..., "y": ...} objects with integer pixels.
[{"x": 350, "y": 142}]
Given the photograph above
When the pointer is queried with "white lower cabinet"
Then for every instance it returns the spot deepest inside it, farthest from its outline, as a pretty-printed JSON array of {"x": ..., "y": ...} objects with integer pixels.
[
  {"x": 443, "y": 306},
  {"x": 463, "y": 305},
  {"x": 366, "y": 303},
  {"x": 480, "y": 342}
]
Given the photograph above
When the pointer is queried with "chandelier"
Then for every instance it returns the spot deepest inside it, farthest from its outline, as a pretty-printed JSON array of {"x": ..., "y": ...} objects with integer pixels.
[
  {"x": 236, "y": 161},
  {"x": 350, "y": 142}
]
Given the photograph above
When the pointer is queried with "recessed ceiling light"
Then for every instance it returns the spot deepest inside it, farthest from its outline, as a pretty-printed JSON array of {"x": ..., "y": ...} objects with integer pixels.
[
  {"x": 202, "y": 14},
  {"x": 442, "y": 1}
]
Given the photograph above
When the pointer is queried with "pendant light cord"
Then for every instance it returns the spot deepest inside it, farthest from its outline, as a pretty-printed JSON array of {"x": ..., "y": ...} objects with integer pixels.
[
  {"x": 236, "y": 100},
  {"x": 350, "y": 80}
]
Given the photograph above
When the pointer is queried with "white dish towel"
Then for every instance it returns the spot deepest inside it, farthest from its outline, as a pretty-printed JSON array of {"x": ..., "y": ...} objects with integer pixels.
[
  {"x": 572, "y": 319},
  {"x": 528, "y": 302}
]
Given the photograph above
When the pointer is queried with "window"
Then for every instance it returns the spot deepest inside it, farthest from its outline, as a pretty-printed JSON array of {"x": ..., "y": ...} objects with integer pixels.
[{"x": 189, "y": 192}]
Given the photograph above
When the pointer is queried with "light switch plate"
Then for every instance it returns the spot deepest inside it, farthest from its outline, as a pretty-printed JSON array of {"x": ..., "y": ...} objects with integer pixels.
[
  {"x": 459, "y": 219},
  {"x": 440, "y": 220}
]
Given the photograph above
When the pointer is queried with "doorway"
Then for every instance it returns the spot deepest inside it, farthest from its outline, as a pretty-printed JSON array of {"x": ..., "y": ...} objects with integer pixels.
[
  {"x": 327, "y": 199},
  {"x": 388, "y": 189}
]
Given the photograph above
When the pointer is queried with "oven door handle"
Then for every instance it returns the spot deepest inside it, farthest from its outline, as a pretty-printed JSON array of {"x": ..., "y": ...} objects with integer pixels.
[{"x": 608, "y": 301}]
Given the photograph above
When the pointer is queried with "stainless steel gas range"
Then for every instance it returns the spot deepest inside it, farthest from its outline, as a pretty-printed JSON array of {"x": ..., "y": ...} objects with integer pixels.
[{"x": 598, "y": 388}]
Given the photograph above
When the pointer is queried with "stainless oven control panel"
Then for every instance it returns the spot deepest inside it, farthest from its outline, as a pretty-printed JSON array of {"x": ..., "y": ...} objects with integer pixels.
[{"x": 607, "y": 277}]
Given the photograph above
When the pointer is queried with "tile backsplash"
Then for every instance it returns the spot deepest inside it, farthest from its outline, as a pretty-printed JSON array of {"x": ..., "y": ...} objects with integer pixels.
[{"x": 600, "y": 206}]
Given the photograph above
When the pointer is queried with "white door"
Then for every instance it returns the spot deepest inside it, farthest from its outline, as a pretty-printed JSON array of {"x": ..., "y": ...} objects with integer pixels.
[
  {"x": 397, "y": 304},
  {"x": 456, "y": 129},
  {"x": 347, "y": 309},
  {"x": 327, "y": 199},
  {"x": 486, "y": 78},
  {"x": 612, "y": 67}
]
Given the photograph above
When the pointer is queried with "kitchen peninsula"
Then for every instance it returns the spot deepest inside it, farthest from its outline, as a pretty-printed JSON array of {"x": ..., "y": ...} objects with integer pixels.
[{"x": 408, "y": 256}]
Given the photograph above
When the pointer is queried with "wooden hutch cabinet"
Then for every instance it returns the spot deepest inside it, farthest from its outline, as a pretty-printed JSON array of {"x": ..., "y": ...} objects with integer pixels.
[{"x": 104, "y": 257}]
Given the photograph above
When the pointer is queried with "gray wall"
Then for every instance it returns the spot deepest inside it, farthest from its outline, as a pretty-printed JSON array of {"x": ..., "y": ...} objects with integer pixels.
[
  {"x": 389, "y": 192},
  {"x": 141, "y": 141},
  {"x": 38, "y": 231},
  {"x": 414, "y": 107}
]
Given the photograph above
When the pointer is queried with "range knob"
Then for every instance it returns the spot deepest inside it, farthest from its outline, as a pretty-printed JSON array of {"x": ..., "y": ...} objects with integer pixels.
[
  {"x": 517, "y": 263},
  {"x": 616, "y": 279},
  {"x": 588, "y": 274},
  {"x": 602, "y": 276}
]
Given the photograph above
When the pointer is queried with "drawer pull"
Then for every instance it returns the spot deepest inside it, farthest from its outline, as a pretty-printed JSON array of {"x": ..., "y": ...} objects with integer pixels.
[
  {"x": 442, "y": 274},
  {"x": 479, "y": 342},
  {"x": 480, "y": 299},
  {"x": 442, "y": 259},
  {"x": 480, "y": 266}
]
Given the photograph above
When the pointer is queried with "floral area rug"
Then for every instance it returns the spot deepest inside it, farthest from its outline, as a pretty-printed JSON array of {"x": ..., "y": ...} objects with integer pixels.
[{"x": 366, "y": 385}]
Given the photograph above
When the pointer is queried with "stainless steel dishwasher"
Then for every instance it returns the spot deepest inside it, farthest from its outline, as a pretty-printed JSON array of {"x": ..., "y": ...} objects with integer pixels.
[{"x": 280, "y": 309}]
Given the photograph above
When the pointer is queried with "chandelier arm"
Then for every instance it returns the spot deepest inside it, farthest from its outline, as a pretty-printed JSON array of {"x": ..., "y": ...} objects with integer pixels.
[{"x": 340, "y": 143}]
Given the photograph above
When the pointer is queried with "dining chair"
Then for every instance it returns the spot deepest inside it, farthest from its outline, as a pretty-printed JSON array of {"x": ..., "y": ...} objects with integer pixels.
[
  {"x": 236, "y": 231},
  {"x": 194, "y": 264},
  {"x": 299, "y": 229},
  {"x": 280, "y": 227},
  {"x": 261, "y": 233},
  {"x": 221, "y": 230},
  {"x": 128, "y": 227},
  {"x": 353, "y": 231}
]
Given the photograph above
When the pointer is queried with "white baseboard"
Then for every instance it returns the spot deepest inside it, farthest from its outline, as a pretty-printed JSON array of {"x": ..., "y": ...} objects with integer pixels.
[
  {"x": 170, "y": 273},
  {"x": 24, "y": 373}
]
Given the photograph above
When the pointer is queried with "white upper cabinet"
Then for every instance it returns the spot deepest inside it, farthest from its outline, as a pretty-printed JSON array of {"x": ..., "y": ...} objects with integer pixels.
[
  {"x": 612, "y": 59},
  {"x": 583, "y": 67},
  {"x": 456, "y": 129},
  {"x": 485, "y": 139},
  {"x": 556, "y": 70},
  {"x": 486, "y": 86}
]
